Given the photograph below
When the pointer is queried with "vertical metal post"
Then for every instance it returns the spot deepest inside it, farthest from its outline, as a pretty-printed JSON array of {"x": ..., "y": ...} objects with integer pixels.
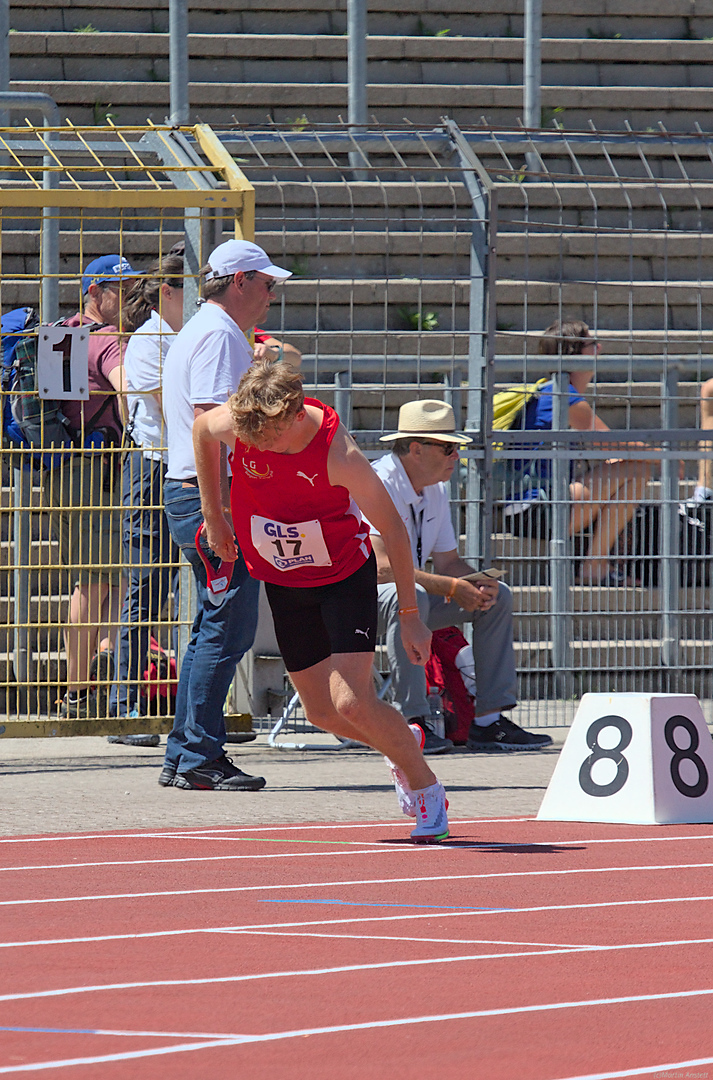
[
  {"x": 25, "y": 674},
  {"x": 356, "y": 61},
  {"x": 193, "y": 230},
  {"x": 187, "y": 606},
  {"x": 343, "y": 397},
  {"x": 453, "y": 398},
  {"x": 49, "y": 244},
  {"x": 670, "y": 532},
  {"x": 481, "y": 343},
  {"x": 532, "y": 64},
  {"x": 532, "y": 74},
  {"x": 357, "y": 78},
  {"x": 561, "y": 621},
  {"x": 178, "y": 61},
  {"x": 4, "y": 55}
]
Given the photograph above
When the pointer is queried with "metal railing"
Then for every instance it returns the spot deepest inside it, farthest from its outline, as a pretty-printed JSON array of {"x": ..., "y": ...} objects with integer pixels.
[{"x": 425, "y": 266}]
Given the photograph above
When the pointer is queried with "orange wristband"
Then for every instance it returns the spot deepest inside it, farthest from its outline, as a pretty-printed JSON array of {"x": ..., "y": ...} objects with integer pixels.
[
  {"x": 408, "y": 611},
  {"x": 452, "y": 591}
]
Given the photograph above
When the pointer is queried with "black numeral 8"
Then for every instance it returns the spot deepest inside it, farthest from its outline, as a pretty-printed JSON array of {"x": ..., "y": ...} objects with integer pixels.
[
  {"x": 692, "y": 791},
  {"x": 614, "y": 754}
]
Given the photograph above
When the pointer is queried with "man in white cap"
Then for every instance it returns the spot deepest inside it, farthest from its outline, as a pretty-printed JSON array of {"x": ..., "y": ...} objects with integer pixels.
[
  {"x": 203, "y": 368},
  {"x": 423, "y": 456}
]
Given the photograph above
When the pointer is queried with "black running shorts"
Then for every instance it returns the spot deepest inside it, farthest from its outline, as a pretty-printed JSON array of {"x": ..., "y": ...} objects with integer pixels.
[{"x": 314, "y": 623}]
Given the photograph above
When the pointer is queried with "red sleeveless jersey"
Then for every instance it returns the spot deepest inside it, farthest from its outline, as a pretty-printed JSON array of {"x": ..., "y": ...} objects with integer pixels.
[{"x": 292, "y": 526}]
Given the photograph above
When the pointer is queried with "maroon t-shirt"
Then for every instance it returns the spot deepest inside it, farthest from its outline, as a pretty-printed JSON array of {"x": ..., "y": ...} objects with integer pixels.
[{"x": 105, "y": 354}]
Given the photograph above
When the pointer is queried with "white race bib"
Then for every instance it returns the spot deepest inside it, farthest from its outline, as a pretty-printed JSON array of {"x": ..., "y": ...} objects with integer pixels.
[{"x": 288, "y": 546}]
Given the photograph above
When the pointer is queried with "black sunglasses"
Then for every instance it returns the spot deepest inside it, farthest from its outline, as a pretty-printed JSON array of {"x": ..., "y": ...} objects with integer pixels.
[{"x": 449, "y": 449}]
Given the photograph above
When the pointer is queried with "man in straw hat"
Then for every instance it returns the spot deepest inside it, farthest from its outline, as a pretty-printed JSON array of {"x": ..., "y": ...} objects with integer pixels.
[{"x": 424, "y": 453}]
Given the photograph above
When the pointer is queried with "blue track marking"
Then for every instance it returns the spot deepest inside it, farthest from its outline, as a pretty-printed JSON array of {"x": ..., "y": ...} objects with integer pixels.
[{"x": 378, "y": 903}]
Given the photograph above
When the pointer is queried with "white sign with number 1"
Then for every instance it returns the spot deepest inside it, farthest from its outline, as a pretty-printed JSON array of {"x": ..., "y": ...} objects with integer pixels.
[
  {"x": 635, "y": 759},
  {"x": 63, "y": 362}
]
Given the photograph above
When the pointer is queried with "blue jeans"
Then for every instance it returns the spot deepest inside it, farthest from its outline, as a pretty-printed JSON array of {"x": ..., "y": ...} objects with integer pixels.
[
  {"x": 150, "y": 556},
  {"x": 219, "y": 639}
]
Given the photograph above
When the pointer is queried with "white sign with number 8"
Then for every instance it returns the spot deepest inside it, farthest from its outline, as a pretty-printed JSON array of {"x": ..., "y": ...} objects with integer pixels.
[{"x": 634, "y": 759}]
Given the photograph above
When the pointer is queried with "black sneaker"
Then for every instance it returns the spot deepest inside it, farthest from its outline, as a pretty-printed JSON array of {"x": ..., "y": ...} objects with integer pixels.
[
  {"x": 434, "y": 744},
  {"x": 83, "y": 707},
  {"x": 167, "y": 775},
  {"x": 135, "y": 740},
  {"x": 101, "y": 674},
  {"x": 504, "y": 736},
  {"x": 218, "y": 775}
]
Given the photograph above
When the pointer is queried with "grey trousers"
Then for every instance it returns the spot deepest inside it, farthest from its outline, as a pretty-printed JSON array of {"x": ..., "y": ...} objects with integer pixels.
[{"x": 495, "y": 675}]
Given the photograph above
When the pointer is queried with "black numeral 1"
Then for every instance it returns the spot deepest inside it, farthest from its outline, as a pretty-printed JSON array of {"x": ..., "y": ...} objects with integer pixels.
[{"x": 65, "y": 347}]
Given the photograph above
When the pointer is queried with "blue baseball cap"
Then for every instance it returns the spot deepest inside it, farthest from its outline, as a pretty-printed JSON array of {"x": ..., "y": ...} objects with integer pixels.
[{"x": 107, "y": 268}]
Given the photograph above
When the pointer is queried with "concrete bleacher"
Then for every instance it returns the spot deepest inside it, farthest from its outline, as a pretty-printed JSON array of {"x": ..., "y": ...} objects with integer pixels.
[{"x": 610, "y": 61}]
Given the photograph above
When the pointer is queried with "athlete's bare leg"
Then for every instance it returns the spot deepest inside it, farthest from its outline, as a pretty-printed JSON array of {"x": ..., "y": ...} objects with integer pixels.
[
  {"x": 705, "y": 468},
  {"x": 338, "y": 695}
]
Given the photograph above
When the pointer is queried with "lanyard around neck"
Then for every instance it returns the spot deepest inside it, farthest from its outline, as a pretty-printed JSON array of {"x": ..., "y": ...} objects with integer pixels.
[{"x": 417, "y": 526}]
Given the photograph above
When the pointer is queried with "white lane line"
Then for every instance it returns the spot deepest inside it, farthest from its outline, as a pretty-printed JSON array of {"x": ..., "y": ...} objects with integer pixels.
[
  {"x": 672, "y": 1069},
  {"x": 258, "y": 930},
  {"x": 373, "y": 881},
  {"x": 217, "y": 980},
  {"x": 209, "y": 831},
  {"x": 372, "y": 1025},
  {"x": 293, "y": 855},
  {"x": 339, "y": 970},
  {"x": 262, "y": 927},
  {"x": 559, "y": 945},
  {"x": 366, "y": 881},
  {"x": 476, "y": 909},
  {"x": 484, "y": 844}
]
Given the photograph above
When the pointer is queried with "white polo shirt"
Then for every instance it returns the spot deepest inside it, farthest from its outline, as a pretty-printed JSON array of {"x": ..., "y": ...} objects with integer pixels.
[
  {"x": 204, "y": 366},
  {"x": 427, "y": 515},
  {"x": 143, "y": 365}
]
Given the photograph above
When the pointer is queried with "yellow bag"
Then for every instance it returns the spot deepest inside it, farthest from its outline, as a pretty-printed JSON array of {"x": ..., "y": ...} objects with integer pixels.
[{"x": 508, "y": 404}]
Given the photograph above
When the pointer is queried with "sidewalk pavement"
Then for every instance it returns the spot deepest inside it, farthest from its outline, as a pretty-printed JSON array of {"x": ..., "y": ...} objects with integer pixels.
[{"x": 85, "y": 784}]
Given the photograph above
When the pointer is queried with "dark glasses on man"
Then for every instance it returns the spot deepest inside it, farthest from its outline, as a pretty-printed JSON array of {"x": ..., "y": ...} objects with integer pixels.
[{"x": 449, "y": 449}]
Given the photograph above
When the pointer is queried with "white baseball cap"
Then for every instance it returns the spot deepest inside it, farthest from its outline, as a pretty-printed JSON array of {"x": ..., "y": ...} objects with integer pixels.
[{"x": 236, "y": 255}]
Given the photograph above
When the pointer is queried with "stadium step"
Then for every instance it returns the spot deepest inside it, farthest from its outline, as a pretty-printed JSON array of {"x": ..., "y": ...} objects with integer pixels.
[{"x": 592, "y": 19}]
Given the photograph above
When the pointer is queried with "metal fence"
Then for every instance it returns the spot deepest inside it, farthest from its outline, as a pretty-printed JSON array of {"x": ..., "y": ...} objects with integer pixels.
[
  {"x": 427, "y": 264},
  {"x": 68, "y": 196}
]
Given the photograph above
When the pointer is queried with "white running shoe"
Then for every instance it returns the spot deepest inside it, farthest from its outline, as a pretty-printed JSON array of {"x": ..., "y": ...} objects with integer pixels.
[
  {"x": 406, "y": 797},
  {"x": 432, "y": 820}
]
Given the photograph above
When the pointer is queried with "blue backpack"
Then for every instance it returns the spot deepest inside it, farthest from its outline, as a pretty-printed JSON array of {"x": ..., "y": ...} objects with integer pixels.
[
  {"x": 28, "y": 420},
  {"x": 13, "y": 327}
]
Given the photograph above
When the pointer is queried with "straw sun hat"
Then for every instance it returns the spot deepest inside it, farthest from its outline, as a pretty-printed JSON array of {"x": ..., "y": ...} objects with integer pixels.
[{"x": 427, "y": 420}]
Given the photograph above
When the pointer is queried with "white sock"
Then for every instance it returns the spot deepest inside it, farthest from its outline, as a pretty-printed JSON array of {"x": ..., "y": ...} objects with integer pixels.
[
  {"x": 487, "y": 720},
  {"x": 701, "y": 494},
  {"x": 423, "y": 790}
]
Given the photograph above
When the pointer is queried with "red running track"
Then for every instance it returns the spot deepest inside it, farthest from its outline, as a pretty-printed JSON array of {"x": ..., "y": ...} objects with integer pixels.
[{"x": 518, "y": 950}]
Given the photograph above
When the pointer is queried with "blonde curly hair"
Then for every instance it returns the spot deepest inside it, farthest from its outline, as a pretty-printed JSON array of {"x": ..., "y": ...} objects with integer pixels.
[{"x": 269, "y": 396}]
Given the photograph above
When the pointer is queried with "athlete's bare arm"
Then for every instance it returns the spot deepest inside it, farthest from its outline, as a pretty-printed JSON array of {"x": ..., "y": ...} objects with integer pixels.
[
  {"x": 347, "y": 466},
  {"x": 210, "y": 430}
]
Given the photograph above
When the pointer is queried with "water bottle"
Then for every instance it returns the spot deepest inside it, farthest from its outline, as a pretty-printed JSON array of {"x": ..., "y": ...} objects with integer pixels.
[
  {"x": 435, "y": 704},
  {"x": 466, "y": 665}
]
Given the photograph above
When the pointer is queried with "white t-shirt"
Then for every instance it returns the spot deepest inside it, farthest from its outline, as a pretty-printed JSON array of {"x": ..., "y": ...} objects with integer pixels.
[
  {"x": 427, "y": 515},
  {"x": 204, "y": 365},
  {"x": 144, "y": 361}
]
